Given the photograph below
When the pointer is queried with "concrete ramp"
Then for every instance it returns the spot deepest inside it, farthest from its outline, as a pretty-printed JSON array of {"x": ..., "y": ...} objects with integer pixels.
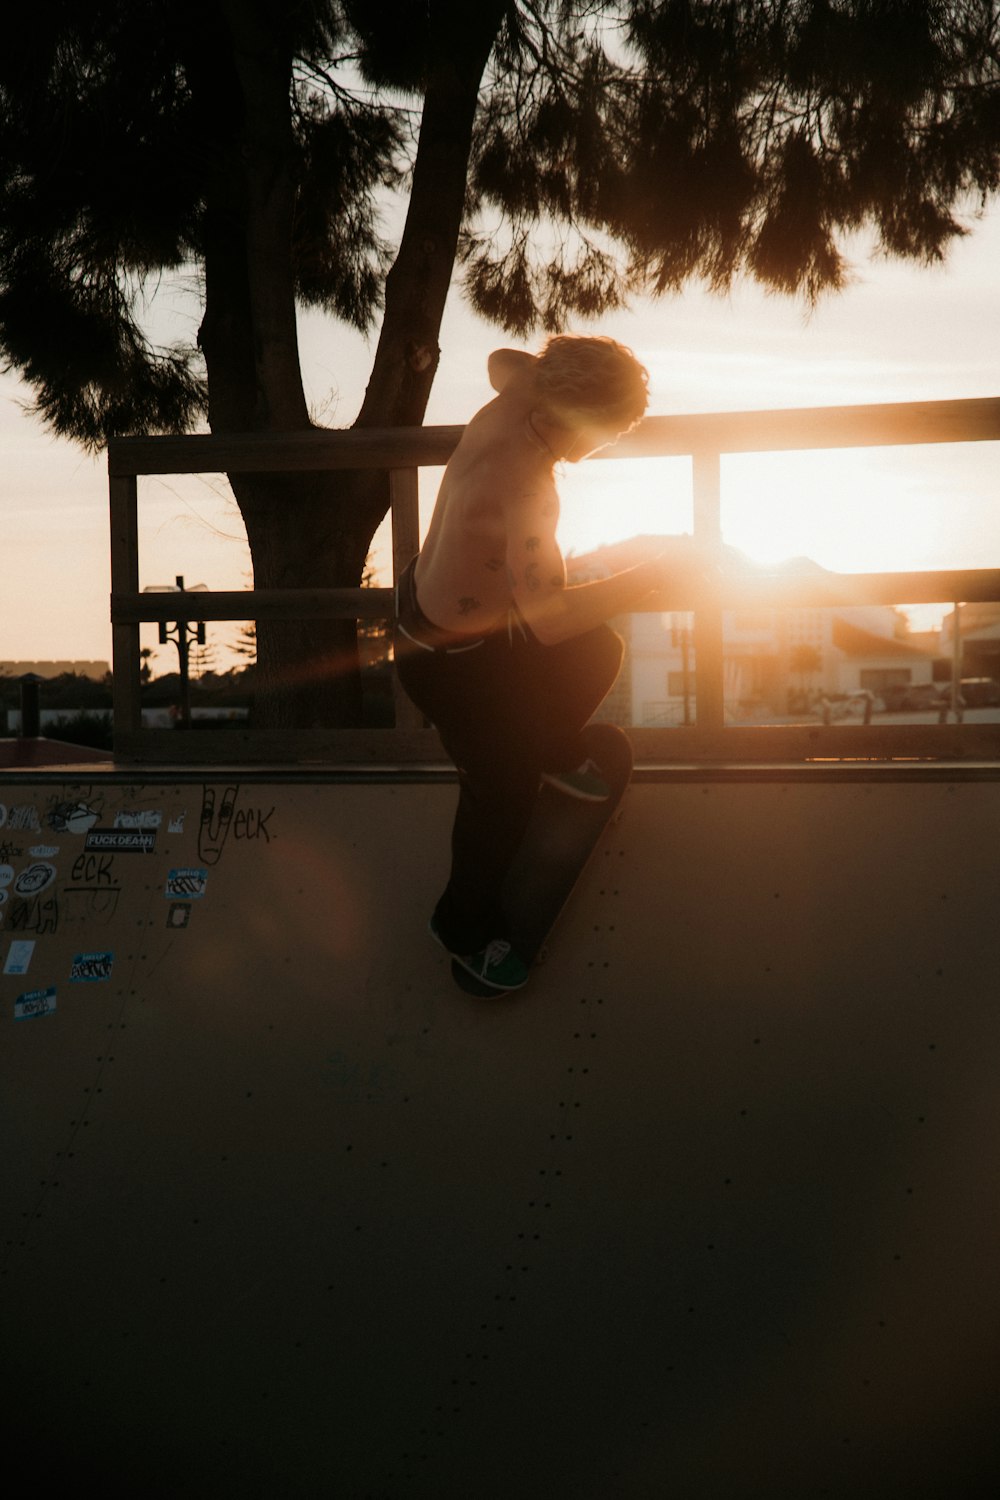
[{"x": 710, "y": 1211}]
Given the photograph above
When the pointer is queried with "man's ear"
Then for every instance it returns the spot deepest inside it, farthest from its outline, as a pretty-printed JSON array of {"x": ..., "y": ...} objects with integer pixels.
[{"x": 506, "y": 365}]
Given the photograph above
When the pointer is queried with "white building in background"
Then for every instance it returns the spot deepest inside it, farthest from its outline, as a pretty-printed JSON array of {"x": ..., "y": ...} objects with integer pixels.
[
  {"x": 979, "y": 627},
  {"x": 774, "y": 661},
  {"x": 871, "y": 660}
]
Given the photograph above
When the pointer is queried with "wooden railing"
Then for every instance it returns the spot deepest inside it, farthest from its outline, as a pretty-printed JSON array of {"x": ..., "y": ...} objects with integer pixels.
[{"x": 403, "y": 451}]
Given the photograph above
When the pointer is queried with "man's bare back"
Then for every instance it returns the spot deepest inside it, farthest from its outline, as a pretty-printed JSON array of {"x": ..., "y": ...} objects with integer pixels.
[{"x": 462, "y": 572}]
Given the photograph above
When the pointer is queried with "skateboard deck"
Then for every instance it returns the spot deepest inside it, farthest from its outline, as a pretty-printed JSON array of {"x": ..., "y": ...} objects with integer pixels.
[{"x": 557, "y": 845}]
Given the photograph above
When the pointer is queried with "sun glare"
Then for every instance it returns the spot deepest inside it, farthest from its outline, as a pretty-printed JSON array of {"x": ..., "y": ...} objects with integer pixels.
[{"x": 847, "y": 510}]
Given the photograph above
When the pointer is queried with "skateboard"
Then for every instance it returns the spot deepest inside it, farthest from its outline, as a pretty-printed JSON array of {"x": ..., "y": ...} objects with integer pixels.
[{"x": 557, "y": 845}]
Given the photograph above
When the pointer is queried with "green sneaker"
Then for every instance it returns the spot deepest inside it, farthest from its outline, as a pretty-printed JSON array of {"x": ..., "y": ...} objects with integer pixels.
[
  {"x": 496, "y": 965},
  {"x": 585, "y": 783}
]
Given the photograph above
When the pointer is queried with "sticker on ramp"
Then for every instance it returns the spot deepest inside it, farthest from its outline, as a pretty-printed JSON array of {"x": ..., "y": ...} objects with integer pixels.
[
  {"x": 34, "y": 878},
  {"x": 91, "y": 968},
  {"x": 139, "y": 818},
  {"x": 121, "y": 840},
  {"x": 71, "y": 817},
  {"x": 23, "y": 819},
  {"x": 185, "y": 885},
  {"x": 18, "y": 959},
  {"x": 35, "y": 1003}
]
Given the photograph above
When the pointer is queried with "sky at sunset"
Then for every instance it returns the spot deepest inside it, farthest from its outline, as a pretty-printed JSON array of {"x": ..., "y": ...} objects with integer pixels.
[{"x": 898, "y": 334}]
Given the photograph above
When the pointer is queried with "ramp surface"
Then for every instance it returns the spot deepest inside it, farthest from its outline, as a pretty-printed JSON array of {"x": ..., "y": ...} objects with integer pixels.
[{"x": 710, "y": 1210}]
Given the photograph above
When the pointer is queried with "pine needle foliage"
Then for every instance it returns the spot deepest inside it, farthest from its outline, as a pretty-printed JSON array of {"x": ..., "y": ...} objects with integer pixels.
[
  {"x": 620, "y": 147},
  {"x": 670, "y": 140}
]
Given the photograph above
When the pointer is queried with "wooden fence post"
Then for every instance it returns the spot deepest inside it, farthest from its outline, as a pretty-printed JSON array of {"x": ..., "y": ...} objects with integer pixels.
[
  {"x": 126, "y": 660},
  {"x": 708, "y": 622},
  {"x": 404, "y": 494}
]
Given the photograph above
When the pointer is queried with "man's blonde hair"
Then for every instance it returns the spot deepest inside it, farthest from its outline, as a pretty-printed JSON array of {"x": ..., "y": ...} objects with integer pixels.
[{"x": 583, "y": 380}]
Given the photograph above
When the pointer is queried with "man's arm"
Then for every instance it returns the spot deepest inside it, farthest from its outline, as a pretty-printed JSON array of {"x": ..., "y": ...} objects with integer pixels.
[
  {"x": 537, "y": 574},
  {"x": 616, "y": 557}
]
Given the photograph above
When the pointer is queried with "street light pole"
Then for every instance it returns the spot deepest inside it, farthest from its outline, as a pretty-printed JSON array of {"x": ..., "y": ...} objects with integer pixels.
[
  {"x": 179, "y": 636},
  {"x": 184, "y": 661}
]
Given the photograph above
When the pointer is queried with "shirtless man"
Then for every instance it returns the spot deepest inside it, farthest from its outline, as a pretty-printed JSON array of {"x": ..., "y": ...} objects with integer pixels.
[{"x": 505, "y": 659}]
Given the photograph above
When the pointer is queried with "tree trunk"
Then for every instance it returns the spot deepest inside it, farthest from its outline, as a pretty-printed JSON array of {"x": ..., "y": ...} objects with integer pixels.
[
  {"x": 304, "y": 533},
  {"x": 417, "y": 286},
  {"x": 316, "y": 530}
]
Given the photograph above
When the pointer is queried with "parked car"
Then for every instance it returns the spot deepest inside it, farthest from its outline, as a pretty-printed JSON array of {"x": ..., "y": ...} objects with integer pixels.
[
  {"x": 925, "y": 695},
  {"x": 916, "y": 695},
  {"x": 894, "y": 697},
  {"x": 865, "y": 702},
  {"x": 980, "y": 692}
]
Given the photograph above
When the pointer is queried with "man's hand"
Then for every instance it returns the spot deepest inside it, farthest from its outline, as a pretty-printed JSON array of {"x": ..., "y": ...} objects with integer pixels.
[
  {"x": 684, "y": 563},
  {"x": 676, "y": 551}
]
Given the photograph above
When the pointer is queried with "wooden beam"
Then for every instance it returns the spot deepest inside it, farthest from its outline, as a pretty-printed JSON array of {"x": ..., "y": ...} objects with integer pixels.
[
  {"x": 823, "y": 590},
  {"x": 764, "y": 744},
  {"x": 892, "y": 424},
  {"x": 878, "y": 425},
  {"x": 817, "y": 742},
  {"x": 759, "y": 590},
  {"x": 283, "y": 452},
  {"x": 254, "y": 604},
  {"x": 302, "y": 747}
]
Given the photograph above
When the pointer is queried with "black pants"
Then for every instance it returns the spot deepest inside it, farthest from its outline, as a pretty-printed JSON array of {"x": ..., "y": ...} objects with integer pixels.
[{"x": 506, "y": 709}]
